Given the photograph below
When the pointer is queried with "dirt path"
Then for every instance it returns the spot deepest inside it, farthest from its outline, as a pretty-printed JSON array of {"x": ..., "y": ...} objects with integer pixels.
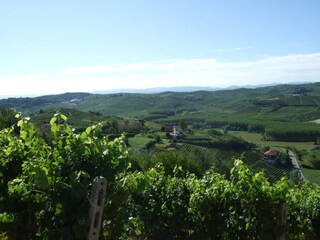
[{"x": 296, "y": 165}]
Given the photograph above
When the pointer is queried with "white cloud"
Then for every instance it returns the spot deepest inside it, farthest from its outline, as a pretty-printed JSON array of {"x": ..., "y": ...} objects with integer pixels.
[
  {"x": 23, "y": 84},
  {"x": 234, "y": 49},
  {"x": 168, "y": 73},
  {"x": 106, "y": 68}
]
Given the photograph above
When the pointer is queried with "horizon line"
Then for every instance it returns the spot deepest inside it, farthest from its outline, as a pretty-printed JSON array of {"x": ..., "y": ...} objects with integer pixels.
[{"x": 157, "y": 89}]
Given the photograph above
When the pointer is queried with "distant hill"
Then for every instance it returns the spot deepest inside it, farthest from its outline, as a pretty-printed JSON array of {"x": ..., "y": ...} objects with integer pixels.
[
  {"x": 159, "y": 90},
  {"x": 178, "y": 89},
  {"x": 298, "y": 102},
  {"x": 31, "y": 102}
]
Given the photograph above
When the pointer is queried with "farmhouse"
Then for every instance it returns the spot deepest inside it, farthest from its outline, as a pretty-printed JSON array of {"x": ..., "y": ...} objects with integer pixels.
[
  {"x": 176, "y": 133},
  {"x": 271, "y": 156},
  {"x": 75, "y": 101},
  {"x": 169, "y": 128}
]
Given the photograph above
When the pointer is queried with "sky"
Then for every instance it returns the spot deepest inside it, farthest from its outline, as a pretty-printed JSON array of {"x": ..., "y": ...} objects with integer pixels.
[{"x": 49, "y": 47}]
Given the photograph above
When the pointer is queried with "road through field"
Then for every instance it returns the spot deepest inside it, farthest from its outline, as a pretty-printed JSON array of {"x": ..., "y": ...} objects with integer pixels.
[{"x": 296, "y": 165}]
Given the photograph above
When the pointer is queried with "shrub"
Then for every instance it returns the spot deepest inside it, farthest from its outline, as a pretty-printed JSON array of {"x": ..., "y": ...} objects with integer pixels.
[{"x": 44, "y": 186}]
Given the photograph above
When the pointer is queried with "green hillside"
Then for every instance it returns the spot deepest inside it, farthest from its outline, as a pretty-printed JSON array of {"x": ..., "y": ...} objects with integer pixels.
[
  {"x": 282, "y": 102},
  {"x": 76, "y": 118},
  {"x": 279, "y": 115}
]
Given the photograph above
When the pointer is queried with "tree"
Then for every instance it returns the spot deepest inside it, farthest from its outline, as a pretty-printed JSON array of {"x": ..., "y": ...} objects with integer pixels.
[
  {"x": 183, "y": 125},
  {"x": 157, "y": 138},
  {"x": 7, "y": 118},
  {"x": 315, "y": 162},
  {"x": 284, "y": 158}
]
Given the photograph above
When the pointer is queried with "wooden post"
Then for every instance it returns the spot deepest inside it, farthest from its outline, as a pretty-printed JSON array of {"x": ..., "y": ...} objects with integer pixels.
[
  {"x": 280, "y": 231},
  {"x": 97, "y": 202}
]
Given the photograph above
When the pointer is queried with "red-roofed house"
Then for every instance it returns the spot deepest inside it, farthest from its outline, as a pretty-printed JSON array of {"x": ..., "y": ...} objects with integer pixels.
[{"x": 271, "y": 156}]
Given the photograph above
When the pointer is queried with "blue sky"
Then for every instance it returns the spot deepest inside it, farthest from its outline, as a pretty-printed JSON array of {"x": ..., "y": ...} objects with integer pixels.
[{"x": 80, "y": 45}]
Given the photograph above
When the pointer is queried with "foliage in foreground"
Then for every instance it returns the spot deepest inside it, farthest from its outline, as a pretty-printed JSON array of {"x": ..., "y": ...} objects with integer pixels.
[
  {"x": 44, "y": 185},
  {"x": 245, "y": 206}
]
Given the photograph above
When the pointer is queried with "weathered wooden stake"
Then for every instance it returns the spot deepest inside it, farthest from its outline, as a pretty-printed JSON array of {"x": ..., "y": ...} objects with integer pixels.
[
  {"x": 97, "y": 202},
  {"x": 280, "y": 233}
]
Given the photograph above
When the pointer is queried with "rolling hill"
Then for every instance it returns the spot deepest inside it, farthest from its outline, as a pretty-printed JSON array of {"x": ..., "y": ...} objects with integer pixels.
[{"x": 281, "y": 102}]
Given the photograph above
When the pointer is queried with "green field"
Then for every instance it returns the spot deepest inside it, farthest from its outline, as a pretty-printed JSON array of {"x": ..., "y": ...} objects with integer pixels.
[
  {"x": 312, "y": 175},
  {"x": 256, "y": 138},
  {"x": 139, "y": 141}
]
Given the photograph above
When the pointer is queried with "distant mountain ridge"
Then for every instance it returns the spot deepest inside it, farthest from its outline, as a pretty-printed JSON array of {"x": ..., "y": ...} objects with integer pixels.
[
  {"x": 287, "y": 101},
  {"x": 155, "y": 90},
  {"x": 177, "y": 89},
  {"x": 158, "y": 90}
]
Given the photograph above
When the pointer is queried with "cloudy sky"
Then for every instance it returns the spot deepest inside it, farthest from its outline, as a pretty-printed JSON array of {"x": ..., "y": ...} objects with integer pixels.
[{"x": 80, "y": 45}]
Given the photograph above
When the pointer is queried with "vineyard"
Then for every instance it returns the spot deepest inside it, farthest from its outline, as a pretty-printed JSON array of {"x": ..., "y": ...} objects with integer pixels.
[
  {"x": 188, "y": 148},
  {"x": 252, "y": 158},
  {"x": 45, "y": 182}
]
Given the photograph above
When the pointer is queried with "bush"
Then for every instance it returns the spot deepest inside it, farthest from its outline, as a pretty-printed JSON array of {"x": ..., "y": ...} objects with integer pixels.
[
  {"x": 245, "y": 206},
  {"x": 256, "y": 128},
  {"x": 8, "y": 119},
  {"x": 214, "y": 132},
  {"x": 150, "y": 144},
  {"x": 315, "y": 163},
  {"x": 44, "y": 186}
]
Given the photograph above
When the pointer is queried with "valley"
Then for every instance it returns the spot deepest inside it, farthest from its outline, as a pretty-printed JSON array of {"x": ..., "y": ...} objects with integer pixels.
[
  {"x": 176, "y": 162},
  {"x": 277, "y": 117}
]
